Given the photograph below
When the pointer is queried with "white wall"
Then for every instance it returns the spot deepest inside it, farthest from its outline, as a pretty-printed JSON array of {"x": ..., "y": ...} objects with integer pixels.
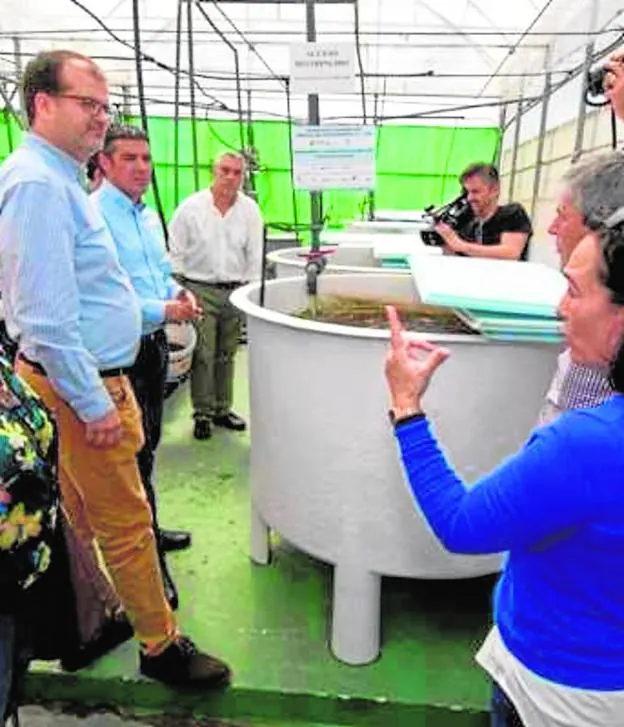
[{"x": 557, "y": 158}]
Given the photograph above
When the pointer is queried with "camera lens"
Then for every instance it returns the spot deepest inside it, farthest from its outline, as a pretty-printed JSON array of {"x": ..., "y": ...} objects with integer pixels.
[{"x": 595, "y": 81}]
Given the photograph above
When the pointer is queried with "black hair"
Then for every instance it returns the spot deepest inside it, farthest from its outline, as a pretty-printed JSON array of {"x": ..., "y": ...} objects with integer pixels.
[
  {"x": 612, "y": 276},
  {"x": 487, "y": 172},
  {"x": 43, "y": 75},
  {"x": 93, "y": 165},
  {"x": 117, "y": 132}
]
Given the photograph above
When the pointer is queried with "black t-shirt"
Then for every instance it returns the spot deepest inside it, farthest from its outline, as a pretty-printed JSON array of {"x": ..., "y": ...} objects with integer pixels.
[{"x": 507, "y": 218}]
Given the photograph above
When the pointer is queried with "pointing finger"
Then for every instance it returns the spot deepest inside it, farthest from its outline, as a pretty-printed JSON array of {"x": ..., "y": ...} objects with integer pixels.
[{"x": 396, "y": 327}]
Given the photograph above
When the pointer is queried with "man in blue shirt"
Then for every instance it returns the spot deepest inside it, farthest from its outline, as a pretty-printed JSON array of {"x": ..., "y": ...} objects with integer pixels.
[
  {"x": 77, "y": 320},
  {"x": 127, "y": 167}
]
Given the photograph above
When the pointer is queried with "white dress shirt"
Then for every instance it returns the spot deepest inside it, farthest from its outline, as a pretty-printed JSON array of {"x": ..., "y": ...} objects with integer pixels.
[{"x": 209, "y": 247}]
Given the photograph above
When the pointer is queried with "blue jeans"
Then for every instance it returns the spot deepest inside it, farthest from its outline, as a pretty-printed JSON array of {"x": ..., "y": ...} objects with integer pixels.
[
  {"x": 503, "y": 713},
  {"x": 7, "y": 640}
]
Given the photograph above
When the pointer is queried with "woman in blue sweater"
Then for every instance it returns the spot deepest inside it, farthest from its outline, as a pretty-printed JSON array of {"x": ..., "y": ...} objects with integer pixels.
[{"x": 556, "y": 650}]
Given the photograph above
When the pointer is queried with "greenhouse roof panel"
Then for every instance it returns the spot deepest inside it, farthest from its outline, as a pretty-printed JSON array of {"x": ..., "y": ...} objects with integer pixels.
[{"x": 423, "y": 57}]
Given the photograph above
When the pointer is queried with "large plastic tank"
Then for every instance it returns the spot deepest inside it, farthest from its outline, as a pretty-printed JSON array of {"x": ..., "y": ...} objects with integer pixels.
[{"x": 325, "y": 471}]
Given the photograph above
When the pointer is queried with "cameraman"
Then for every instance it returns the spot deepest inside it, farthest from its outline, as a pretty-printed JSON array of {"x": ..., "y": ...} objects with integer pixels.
[{"x": 493, "y": 230}]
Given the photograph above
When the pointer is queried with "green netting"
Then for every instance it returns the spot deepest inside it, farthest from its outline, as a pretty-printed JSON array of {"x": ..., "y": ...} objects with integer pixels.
[{"x": 416, "y": 165}]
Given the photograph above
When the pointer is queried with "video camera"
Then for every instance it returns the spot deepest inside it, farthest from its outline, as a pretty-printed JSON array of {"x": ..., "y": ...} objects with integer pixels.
[
  {"x": 594, "y": 86},
  {"x": 454, "y": 214}
]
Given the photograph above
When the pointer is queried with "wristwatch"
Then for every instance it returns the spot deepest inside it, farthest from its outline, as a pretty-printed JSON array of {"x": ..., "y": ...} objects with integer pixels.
[{"x": 395, "y": 421}]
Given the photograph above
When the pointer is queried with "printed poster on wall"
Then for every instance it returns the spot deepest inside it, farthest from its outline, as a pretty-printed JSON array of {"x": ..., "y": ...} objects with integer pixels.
[{"x": 334, "y": 157}]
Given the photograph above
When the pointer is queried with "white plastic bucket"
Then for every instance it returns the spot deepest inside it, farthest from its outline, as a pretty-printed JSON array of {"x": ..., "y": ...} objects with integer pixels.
[{"x": 182, "y": 339}]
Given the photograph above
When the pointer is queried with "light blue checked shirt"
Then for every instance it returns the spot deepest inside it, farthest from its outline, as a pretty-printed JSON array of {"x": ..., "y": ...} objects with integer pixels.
[
  {"x": 575, "y": 386},
  {"x": 67, "y": 299},
  {"x": 141, "y": 248}
]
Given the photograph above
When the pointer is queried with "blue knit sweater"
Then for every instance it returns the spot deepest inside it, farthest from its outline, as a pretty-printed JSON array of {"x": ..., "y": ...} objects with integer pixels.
[{"x": 558, "y": 508}]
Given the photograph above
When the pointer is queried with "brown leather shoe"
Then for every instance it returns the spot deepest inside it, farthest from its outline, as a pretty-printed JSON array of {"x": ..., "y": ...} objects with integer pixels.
[{"x": 182, "y": 665}]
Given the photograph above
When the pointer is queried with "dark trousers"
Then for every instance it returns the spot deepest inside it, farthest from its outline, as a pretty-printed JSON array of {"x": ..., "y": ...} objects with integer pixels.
[
  {"x": 148, "y": 377},
  {"x": 503, "y": 713},
  {"x": 218, "y": 332},
  {"x": 7, "y": 644}
]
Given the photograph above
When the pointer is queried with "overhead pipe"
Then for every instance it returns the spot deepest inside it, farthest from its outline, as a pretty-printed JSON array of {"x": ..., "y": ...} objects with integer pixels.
[
  {"x": 539, "y": 159},
  {"x": 176, "y": 108},
  {"x": 191, "y": 59},
  {"x": 141, "y": 91}
]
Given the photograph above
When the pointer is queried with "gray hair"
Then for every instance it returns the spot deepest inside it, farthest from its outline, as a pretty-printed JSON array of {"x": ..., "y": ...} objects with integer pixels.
[
  {"x": 230, "y": 155},
  {"x": 596, "y": 187}
]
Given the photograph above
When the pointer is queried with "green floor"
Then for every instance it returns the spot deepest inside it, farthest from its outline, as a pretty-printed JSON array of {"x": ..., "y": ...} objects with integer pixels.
[{"x": 271, "y": 623}]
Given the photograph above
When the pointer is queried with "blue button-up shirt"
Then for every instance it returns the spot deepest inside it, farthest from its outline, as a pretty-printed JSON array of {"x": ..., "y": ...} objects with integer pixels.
[
  {"x": 141, "y": 248},
  {"x": 67, "y": 299}
]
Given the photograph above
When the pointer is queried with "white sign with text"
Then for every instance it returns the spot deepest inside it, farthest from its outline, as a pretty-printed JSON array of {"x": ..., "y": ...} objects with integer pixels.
[{"x": 322, "y": 68}]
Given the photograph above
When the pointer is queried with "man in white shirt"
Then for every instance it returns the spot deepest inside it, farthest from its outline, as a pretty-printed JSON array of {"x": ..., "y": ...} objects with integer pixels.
[{"x": 216, "y": 246}]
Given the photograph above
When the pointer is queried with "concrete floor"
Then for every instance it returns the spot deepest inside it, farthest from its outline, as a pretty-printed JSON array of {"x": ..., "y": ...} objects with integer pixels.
[
  {"x": 37, "y": 716},
  {"x": 31, "y": 716},
  {"x": 271, "y": 623}
]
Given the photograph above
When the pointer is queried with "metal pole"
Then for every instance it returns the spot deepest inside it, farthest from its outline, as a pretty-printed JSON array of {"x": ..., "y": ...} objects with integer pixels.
[
  {"x": 292, "y": 159},
  {"x": 371, "y": 194},
  {"x": 7, "y": 121},
  {"x": 514, "y": 153},
  {"x": 189, "y": 30},
  {"x": 126, "y": 105},
  {"x": 499, "y": 146},
  {"x": 251, "y": 150},
  {"x": 138, "y": 58},
  {"x": 587, "y": 61},
  {"x": 542, "y": 132},
  {"x": 239, "y": 100},
  {"x": 17, "y": 50},
  {"x": 314, "y": 119},
  {"x": 176, "y": 107},
  {"x": 250, "y": 132}
]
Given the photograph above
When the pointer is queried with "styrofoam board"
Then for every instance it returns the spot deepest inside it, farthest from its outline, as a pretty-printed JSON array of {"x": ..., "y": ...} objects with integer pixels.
[
  {"x": 501, "y": 286},
  {"x": 506, "y": 322}
]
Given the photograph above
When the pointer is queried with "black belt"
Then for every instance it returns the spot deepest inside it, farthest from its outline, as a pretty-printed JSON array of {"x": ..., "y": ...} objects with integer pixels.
[
  {"x": 158, "y": 335},
  {"x": 106, "y": 374},
  {"x": 229, "y": 285}
]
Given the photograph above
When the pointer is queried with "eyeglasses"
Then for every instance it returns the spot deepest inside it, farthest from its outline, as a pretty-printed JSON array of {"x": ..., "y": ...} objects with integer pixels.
[{"x": 90, "y": 105}]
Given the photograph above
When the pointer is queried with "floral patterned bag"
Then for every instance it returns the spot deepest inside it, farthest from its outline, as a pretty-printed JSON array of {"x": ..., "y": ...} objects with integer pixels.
[{"x": 29, "y": 494}]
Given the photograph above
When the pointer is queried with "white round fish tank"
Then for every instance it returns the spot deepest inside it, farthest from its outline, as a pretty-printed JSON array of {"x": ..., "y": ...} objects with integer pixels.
[{"x": 325, "y": 469}]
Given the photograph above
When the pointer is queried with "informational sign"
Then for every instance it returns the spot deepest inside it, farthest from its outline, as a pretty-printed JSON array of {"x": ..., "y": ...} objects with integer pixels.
[
  {"x": 334, "y": 157},
  {"x": 317, "y": 68}
]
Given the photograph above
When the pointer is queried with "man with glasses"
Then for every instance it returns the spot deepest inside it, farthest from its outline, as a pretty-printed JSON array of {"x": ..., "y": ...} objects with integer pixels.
[
  {"x": 493, "y": 230},
  {"x": 215, "y": 246},
  {"x": 77, "y": 320}
]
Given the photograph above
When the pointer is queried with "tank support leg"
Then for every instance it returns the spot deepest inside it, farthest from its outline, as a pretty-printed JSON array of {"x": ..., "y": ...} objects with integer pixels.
[{"x": 356, "y": 614}]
